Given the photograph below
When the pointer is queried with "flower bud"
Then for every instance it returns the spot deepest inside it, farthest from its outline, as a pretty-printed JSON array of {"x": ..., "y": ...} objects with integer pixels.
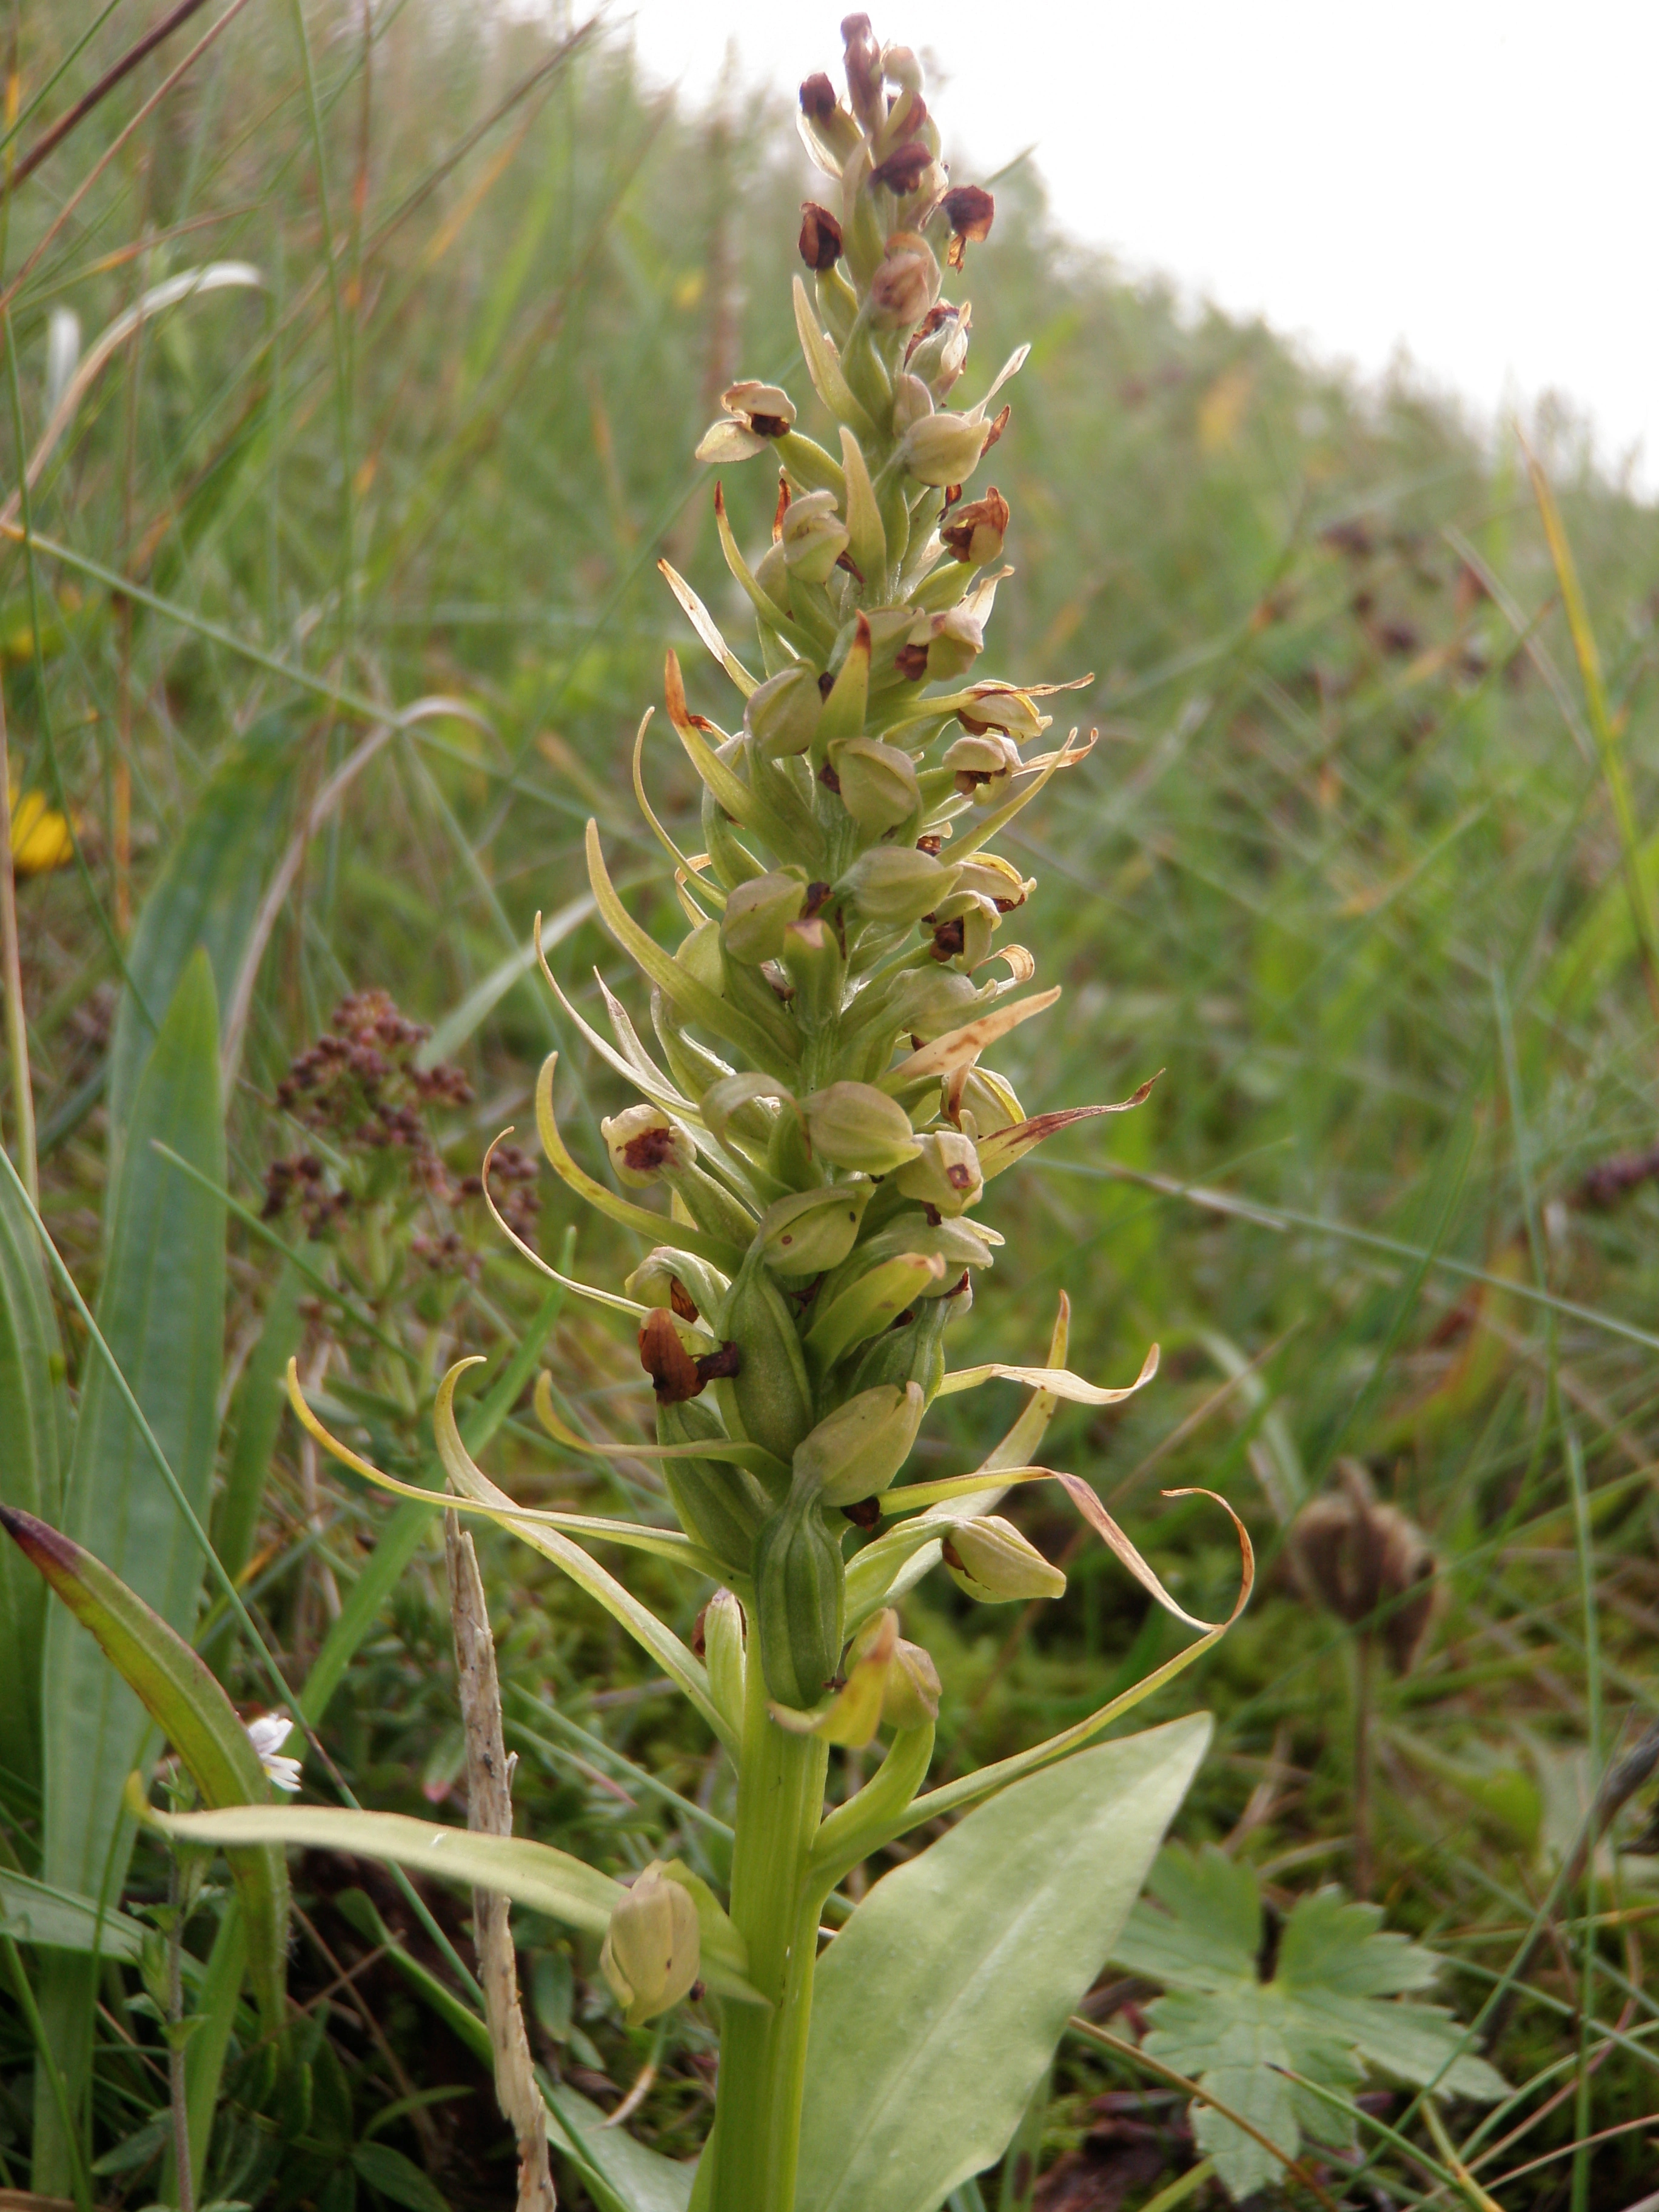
[
  {"x": 992, "y": 876},
  {"x": 820, "y": 236},
  {"x": 781, "y": 714},
  {"x": 904, "y": 285},
  {"x": 943, "y": 449},
  {"x": 801, "y": 1602},
  {"x": 755, "y": 414},
  {"x": 964, "y": 934},
  {"x": 644, "y": 1144},
  {"x": 724, "y": 1653},
  {"x": 652, "y": 1949},
  {"x": 910, "y": 1697},
  {"x": 812, "y": 961},
  {"x": 864, "y": 69},
  {"x": 814, "y": 537},
  {"x": 856, "y": 1451},
  {"x": 989, "y": 1558},
  {"x": 895, "y": 884},
  {"x": 928, "y": 1004},
  {"x": 976, "y": 1096},
  {"x": 1000, "y": 707},
  {"x": 974, "y": 532},
  {"x": 950, "y": 642},
  {"x": 879, "y": 785},
  {"x": 765, "y": 409},
  {"x": 945, "y": 1172},
  {"x": 756, "y": 913},
  {"x": 855, "y": 1126},
  {"x": 655, "y": 1282},
  {"x": 938, "y": 353},
  {"x": 699, "y": 955},
  {"x": 900, "y": 67},
  {"x": 911, "y": 401},
  {"x": 770, "y": 1395},
  {"x": 813, "y": 1230},
  {"x": 983, "y": 766}
]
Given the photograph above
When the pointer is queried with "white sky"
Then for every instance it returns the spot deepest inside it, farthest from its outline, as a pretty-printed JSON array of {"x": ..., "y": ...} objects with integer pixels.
[{"x": 1475, "y": 182}]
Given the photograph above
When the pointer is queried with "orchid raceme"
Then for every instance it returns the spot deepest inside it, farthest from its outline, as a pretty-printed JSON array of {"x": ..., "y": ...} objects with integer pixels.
[{"x": 807, "y": 1157}]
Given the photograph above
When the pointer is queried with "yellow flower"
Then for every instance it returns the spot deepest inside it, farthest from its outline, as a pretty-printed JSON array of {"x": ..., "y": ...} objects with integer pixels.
[{"x": 40, "y": 837}]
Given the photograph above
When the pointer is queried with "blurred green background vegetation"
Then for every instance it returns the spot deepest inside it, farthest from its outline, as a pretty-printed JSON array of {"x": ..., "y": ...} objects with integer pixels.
[{"x": 1347, "y": 871}]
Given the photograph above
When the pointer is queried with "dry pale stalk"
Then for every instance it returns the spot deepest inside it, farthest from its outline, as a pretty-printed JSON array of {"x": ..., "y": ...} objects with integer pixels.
[{"x": 489, "y": 1809}]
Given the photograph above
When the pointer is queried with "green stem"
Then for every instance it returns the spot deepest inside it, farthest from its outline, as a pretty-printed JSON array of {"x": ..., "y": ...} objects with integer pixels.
[{"x": 763, "y": 2055}]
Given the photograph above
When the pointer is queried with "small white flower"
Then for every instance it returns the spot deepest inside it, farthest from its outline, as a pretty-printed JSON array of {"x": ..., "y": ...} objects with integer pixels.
[{"x": 268, "y": 1734}]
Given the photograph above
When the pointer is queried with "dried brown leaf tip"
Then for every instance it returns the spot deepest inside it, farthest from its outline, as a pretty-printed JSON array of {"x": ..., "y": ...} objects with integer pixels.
[
  {"x": 1368, "y": 1564},
  {"x": 820, "y": 233},
  {"x": 970, "y": 211}
]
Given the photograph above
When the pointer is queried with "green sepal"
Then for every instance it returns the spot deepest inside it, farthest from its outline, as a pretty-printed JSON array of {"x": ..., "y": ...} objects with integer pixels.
[
  {"x": 800, "y": 1602},
  {"x": 721, "y": 1508},
  {"x": 771, "y": 1391}
]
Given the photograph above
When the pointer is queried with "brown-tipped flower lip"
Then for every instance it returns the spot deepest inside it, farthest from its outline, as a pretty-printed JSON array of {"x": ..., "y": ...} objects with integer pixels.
[
  {"x": 970, "y": 211},
  {"x": 820, "y": 238},
  {"x": 904, "y": 167},
  {"x": 817, "y": 96}
]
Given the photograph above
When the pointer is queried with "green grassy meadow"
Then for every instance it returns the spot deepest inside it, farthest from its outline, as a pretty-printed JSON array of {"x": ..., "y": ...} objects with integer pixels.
[{"x": 1364, "y": 869}]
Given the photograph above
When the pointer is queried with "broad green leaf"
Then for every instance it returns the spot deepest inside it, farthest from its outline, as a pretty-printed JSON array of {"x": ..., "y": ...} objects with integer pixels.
[
  {"x": 548, "y": 1880},
  {"x": 207, "y": 895},
  {"x": 187, "y": 1704},
  {"x": 31, "y": 1423},
  {"x": 941, "y": 2002},
  {"x": 33, "y": 1912},
  {"x": 1328, "y": 2009},
  {"x": 631, "y": 2177},
  {"x": 162, "y": 1312}
]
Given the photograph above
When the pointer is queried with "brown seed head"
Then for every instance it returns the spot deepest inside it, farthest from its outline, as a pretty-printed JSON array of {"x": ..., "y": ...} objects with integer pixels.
[{"x": 1357, "y": 1558}]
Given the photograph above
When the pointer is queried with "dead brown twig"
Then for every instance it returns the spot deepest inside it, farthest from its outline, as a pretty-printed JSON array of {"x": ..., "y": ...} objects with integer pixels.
[{"x": 489, "y": 1812}]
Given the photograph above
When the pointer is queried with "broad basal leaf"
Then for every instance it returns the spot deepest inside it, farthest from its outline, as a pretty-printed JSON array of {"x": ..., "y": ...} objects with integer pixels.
[
  {"x": 1247, "y": 2006},
  {"x": 940, "y": 2002},
  {"x": 161, "y": 1311}
]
